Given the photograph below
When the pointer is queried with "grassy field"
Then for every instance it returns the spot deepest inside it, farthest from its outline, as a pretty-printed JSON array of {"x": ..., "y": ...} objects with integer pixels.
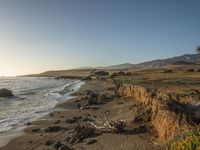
[{"x": 160, "y": 77}]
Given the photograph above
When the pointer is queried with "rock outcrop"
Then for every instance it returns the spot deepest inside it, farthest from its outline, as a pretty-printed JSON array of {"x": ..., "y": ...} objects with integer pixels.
[
  {"x": 5, "y": 93},
  {"x": 169, "y": 117}
]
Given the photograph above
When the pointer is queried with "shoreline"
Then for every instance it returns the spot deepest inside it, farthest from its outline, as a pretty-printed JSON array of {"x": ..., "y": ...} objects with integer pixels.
[
  {"x": 37, "y": 137},
  {"x": 19, "y": 130}
]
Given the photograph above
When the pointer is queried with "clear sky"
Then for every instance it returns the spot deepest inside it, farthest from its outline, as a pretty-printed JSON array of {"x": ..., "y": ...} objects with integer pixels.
[{"x": 40, "y": 35}]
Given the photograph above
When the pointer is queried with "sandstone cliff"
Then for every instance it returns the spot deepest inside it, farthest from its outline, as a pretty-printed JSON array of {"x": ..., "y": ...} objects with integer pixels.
[{"x": 170, "y": 116}]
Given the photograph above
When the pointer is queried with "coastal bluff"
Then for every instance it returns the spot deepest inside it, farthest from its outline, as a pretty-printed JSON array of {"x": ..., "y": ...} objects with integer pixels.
[{"x": 171, "y": 115}]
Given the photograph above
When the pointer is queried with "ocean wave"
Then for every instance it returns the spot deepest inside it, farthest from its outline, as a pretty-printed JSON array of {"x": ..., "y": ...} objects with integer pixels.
[{"x": 35, "y": 101}]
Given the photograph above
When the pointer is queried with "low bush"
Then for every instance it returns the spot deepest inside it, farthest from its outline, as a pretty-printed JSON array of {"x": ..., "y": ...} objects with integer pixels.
[{"x": 190, "y": 141}]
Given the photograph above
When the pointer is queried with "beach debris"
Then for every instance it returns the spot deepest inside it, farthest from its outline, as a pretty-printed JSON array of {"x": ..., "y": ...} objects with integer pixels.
[
  {"x": 97, "y": 99},
  {"x": 36, "y": 130},
  {"x": 140, "y": 129},
  {"x": 91, "y": 141},
  {"x": 58, "y": 145},
  {"x": 28, "y": 124},
  {"x": 107, "y": 112},
  {"x": 78, "y": 106},
  {"x": 51, "y": 114},
  {"x": 109, "y": 125},
  {"x": 64, "y": 147},
  {"x": 80, "y": 133},
  {"x": 5, "y": 93},
  {"x": 30, "y": 141},
  {"x": 93, "y": 99},
  {"x": 80, "y": 117},
  {"x": 87, "y": 119},
  {"x": 50, "y": 142},
  {"x": 53, "y": 129},
  {"x": 57, "y": 122},
  {"x": 72, "y": 121}
]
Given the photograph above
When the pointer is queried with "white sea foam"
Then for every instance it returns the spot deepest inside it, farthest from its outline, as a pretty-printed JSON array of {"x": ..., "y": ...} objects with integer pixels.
[{"x": 33, "y": 98}]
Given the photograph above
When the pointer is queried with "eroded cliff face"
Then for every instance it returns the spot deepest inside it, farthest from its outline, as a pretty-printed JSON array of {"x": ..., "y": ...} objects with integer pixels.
[{"x": 169, "y": 117}]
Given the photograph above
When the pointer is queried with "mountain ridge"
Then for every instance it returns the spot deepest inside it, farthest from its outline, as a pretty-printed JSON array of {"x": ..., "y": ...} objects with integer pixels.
[{"x": 187, "y": 58}]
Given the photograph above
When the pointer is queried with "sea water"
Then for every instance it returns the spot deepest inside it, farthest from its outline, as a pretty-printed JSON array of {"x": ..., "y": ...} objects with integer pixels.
[{"x": 33, "y": 97}]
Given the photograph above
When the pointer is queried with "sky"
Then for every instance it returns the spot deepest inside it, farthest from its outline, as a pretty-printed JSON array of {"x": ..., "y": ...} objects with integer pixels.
[{"x": 40, "y": 35}]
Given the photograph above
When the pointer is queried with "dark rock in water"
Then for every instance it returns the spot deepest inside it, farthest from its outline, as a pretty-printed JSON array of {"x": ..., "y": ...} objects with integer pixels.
[{"x": 5, "y": 93}]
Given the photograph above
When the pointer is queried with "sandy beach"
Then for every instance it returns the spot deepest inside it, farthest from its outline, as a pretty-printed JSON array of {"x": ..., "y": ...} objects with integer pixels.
[{"x": 55, "y": 130}]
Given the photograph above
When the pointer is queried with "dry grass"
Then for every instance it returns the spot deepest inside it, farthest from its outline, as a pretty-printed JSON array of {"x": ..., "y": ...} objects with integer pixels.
[{"x": 156, "y": 77}]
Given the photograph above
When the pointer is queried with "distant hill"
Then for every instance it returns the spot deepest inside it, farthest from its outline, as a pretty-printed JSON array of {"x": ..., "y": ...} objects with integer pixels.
[
  {"x": 183, "y": 63},
  {"x": 187, "y": 58},
  {"x": 120, "y": 66},
  {"x": 69, "y": 73}
]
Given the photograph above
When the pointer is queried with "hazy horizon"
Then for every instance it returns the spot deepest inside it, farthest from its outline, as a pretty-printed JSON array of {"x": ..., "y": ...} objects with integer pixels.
[{"x": 39, "y": 35}]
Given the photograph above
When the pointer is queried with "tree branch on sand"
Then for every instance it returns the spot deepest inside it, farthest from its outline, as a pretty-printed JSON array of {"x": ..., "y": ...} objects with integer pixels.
[{"x": 109, "y": 125}]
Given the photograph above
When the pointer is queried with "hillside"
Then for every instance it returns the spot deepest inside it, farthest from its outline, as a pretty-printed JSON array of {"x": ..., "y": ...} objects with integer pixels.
[{"x": 187, "y": 58}]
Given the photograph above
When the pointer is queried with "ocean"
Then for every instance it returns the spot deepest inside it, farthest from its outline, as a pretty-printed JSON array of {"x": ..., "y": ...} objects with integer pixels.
[{"x": 33, "y": 97}]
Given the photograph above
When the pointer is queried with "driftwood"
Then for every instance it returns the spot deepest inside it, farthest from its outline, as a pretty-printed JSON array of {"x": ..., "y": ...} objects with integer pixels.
[
  {"x": 109, "y": 125},
  {"x": 80, "y": 133}
]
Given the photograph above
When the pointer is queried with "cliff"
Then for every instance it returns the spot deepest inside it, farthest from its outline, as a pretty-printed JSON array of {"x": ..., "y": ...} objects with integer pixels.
[{"x": 171, "y": 115}]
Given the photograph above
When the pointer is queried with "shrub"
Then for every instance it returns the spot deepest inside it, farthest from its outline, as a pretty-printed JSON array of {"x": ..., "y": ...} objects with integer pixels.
[
  {"x": 168, "y": 71},
  {"x": 190, "y": 70},
  {"x": 101, "y": 73},
  {"x": 190, "y": 141}
]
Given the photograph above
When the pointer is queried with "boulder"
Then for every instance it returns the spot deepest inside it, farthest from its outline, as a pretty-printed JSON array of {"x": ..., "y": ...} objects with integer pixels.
[{"x": 5, "y": 93}]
